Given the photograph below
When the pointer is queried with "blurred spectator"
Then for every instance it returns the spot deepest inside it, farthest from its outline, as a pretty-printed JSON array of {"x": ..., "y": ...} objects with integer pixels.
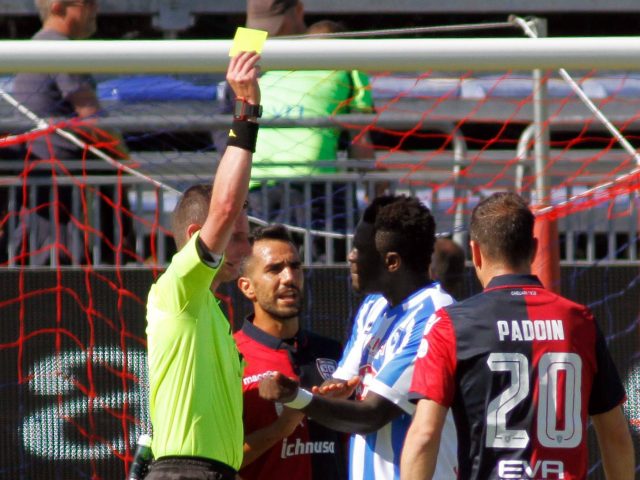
[
  {"x": 325, "y": 26},
  {"x": 303, "y": 94},
  {"x": 447, "y": 266},
  {"x": 67, "y": 95}
]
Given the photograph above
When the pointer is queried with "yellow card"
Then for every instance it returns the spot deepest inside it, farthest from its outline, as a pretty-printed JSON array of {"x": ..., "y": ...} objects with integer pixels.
[{"x": 247, "y": 40}]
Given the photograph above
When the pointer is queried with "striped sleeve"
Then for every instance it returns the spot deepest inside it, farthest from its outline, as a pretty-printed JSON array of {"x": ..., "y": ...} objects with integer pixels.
[{"x": 349, "y": 365}]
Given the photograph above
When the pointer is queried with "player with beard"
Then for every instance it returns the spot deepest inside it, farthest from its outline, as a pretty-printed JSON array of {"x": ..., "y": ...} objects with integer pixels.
[
  {"x": 281, "y": 442},
  {"x": 389, "y": 260}
]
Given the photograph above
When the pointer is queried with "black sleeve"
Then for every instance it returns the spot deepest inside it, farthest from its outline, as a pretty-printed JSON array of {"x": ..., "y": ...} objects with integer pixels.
[{"x": 607, "y": 391}]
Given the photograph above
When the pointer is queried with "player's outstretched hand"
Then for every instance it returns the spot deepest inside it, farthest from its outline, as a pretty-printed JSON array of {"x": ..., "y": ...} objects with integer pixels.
[
  {"x": 278, "y": 388},
  {"x": 337, "y": 388},
  {"x": 242, "y": 76}
]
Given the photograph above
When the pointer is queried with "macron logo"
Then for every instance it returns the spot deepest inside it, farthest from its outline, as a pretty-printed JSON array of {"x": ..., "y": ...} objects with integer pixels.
[{"x": 256, "y": 378}]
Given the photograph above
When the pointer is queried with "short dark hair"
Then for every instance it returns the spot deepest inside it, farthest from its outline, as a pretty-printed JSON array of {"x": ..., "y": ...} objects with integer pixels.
[
  {"x": 404, "y": 225},
  {"x": 502, "y": 225},
  {"x": 276, "y": 231},
  {"x": 193, "y": 207}
]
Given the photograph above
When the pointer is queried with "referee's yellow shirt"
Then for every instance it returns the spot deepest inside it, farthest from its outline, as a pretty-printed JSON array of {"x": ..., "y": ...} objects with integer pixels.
[{"x": 195, "y": 372}]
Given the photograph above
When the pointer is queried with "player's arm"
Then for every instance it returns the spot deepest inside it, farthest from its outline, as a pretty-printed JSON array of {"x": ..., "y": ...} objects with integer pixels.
[
  {"x": 342, "y": 415},
  {"x": 420, "y": 451},
  {"x": 231, "y": 182},
  {"x": 258, "y": 442},
  {"x": 616, "y": 445}
]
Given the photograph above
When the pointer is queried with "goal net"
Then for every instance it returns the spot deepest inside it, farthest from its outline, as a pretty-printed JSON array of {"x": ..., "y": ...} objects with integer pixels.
[{"x": 84, "y": 235}]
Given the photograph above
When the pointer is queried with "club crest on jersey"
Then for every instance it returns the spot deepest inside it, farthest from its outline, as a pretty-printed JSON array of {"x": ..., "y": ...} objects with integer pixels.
[{"x": 326, "y": 367}]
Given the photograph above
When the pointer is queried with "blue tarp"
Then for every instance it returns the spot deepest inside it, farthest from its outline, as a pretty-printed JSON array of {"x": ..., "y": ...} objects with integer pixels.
[
  {"x": 160, "y": 88},
  {"x": 153, "y": 88}
]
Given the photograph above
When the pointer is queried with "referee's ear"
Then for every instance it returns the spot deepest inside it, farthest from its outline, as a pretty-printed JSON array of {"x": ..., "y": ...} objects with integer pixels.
[{"x": 246, "y": 287}]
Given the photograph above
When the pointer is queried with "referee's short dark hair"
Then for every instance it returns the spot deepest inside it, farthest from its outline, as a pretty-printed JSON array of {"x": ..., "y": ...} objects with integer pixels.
[
  {"x": 404, "y": 225},
  {"x": 192, "y": 207},
  {"x": 502, "y": 225}
]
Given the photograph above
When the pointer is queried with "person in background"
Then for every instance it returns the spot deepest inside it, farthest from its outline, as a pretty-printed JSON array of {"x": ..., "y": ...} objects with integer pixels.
[
  {"x": 68, "y": 95},
  {"x": 296, "y": 95},
  {"x": 195, "y": 369},
  {"x": 280, "y": 442},
  {"x": 389, "y": 261},
  {"x": 521, "y": 367},
  {"x": 447, "y": 266},
  {"x": 294, "y": 153}
]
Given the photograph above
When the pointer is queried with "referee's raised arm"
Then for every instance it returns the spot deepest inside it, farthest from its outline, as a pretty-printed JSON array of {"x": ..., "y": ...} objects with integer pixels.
[
  {"x": 195, "y": 369},
  {"x": 232, "y": 178}
]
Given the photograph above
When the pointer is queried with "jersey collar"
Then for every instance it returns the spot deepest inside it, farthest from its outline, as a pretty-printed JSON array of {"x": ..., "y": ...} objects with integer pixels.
[
  {"x": 260, "y": 336},
  {"x": 513, "y": 280}
]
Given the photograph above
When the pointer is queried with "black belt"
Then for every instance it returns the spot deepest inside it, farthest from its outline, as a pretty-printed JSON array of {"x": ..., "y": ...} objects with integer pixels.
[{"x": 200, "y": 462}]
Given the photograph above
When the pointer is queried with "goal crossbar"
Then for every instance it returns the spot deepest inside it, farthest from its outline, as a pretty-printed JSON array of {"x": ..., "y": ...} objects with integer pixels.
[{"x": 202, "y": 56}]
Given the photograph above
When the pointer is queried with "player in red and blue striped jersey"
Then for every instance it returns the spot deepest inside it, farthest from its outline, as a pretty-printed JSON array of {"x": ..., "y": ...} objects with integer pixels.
[
  {"x": 521, "y": 367},
  {"x": 279, "y": 442}
]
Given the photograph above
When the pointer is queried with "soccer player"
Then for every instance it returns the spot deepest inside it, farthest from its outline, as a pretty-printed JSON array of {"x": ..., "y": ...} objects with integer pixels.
[
  {"x": 447, "y": 266},
  {"x": 282, "y": 443},
  {"x": 389, "y": 261},
  {"x": 195, "y": 370},
  {"x": 521, "y": 367}
]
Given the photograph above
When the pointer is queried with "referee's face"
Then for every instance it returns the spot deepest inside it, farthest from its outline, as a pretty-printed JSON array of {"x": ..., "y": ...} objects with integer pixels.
[{"x": 237, "y": 249}]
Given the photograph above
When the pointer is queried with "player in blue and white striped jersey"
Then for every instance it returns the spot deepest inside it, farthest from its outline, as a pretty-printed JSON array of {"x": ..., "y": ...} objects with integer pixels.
[
  {"x": 390, "y": 260},
  {"x": 382, "y": 351}
]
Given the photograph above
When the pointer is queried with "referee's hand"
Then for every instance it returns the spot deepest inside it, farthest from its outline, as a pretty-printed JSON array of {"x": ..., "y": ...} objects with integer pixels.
[
  {"x": 278, "y": 388},
  {"x": 242, "y": 76}
]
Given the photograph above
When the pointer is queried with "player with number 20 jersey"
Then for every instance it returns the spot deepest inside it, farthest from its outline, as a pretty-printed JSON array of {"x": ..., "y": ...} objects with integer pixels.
[{"x": 521, "y": 368}]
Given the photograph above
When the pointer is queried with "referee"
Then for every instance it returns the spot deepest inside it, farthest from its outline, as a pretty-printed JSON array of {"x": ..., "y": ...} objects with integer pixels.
[{"x": 195, "y": 370}]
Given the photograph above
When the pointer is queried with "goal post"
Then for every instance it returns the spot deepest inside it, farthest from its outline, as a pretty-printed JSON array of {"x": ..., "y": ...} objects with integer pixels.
[{"x": 399, "y": 55}]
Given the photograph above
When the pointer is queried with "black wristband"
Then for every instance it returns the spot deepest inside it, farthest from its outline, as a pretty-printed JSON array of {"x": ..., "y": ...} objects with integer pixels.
[{"x": 243, "y": 134}]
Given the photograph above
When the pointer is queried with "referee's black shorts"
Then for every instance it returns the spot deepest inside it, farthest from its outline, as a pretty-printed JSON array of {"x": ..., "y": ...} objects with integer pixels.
[{"x": 189, "y": 468}]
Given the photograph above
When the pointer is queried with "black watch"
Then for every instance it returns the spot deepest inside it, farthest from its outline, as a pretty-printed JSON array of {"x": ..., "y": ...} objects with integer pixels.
[{"x": 243, "y": 110}]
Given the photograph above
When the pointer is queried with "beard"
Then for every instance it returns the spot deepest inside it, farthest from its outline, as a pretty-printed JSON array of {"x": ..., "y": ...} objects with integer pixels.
[{"x": 283, "y": 313}]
